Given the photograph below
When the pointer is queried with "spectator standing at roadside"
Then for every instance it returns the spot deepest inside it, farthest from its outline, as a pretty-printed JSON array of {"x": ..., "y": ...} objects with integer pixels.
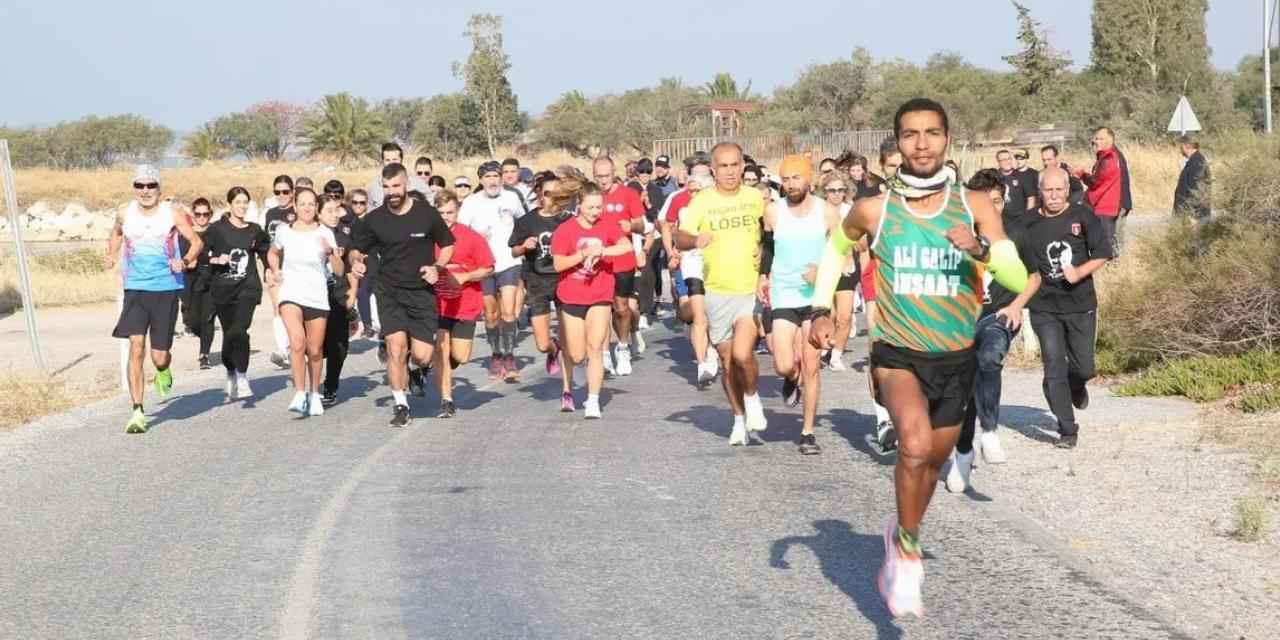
[{"x": 1192, "y": 195}]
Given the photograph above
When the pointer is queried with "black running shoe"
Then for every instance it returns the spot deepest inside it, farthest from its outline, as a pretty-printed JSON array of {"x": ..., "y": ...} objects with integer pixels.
[
  {"x": 1067, "y": 442},
  {"x": 204, "y": 362},
  {"x": 790, "y": 392},
  {"x": 401, "y": 417},
  {"x": 808, "y": 445},
  {"x": 417, "y": 386},
  {"x": 886, "y": 437},
  {"x": 329, "y": 399},
  {"x": 1080, "y": 399},
  {"x": 447, "y": 409}
]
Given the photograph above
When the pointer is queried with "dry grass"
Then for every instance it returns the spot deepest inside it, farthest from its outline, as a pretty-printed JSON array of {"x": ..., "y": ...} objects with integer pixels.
[
  {"x": 100, "y": 189},
  {"x": 70, "y": 278},
  {"x": 25, "y": 397}
]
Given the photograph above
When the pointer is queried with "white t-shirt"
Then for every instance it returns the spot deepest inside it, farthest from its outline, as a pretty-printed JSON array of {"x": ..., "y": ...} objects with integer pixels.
[
  {"x": 304, "y": 268},
  {"x": 494, "y": 219}
]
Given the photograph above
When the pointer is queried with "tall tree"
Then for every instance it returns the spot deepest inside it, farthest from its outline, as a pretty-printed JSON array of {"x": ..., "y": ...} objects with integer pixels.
[
  {"x": 724, "y": 87},
  {"x": 283, "y": 122},
  {"x": 826, "y": 97},
  {"x": 344, "y": 127},
  {"x": 449, "y": 127},
  {"x": 1037, "y": 65},
  {"x": 485, "y": 77},
  {"x": 203, "y": 145},
  {"x": 1151, "y": 44},
  {"x": 401, "y": 115}
]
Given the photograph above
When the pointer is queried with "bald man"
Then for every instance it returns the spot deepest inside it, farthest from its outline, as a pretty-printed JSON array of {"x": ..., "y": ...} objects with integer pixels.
[
  {"x": 1070, "y": 244},
  {"x": 795, "y": 234}
]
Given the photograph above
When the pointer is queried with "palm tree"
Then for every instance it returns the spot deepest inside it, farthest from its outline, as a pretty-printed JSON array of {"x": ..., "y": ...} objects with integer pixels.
[
  {"x": 203, "y": 145},
  {"x": 343, "y": 126},
  {"x": 724, "y": 87}
]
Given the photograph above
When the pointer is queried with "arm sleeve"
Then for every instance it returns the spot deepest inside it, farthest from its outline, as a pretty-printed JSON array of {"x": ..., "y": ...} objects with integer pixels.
[
  {"x": 766, "y": 251},
  {"x": 1006, "y": 267}
]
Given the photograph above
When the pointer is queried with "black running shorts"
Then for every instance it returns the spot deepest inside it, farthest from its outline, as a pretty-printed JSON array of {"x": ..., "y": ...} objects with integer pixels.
[
  {"x": 149, "y": 313},
  {"x": 946, "y": 378},
  {"x": 458, "y": 329},
  {"x": 695, "y": 287},
  {"x": 624, "y": 284},
  {"x": 539, "y": 291},
  {"x": 412, "y": 311}
]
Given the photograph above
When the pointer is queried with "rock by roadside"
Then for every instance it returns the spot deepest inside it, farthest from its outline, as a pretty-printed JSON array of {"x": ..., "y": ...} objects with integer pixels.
[{"x": 40, "y": 223}]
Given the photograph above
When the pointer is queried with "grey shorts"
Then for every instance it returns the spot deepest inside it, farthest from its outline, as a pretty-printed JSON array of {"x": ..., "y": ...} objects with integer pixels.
[
  {"x": 507, "y": 278},
  {"x": 725, "y": 310}
]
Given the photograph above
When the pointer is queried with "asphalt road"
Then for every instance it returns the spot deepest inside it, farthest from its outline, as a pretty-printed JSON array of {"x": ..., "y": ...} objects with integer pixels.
[{"x": 511, "y": 521}]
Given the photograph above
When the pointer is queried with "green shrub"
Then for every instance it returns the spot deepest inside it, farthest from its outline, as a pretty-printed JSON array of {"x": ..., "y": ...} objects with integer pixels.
[
  {"x": 1260, "y": 401},
  {"x": 1251, "y": 519},
  {"x": 1207, "y": 378}
]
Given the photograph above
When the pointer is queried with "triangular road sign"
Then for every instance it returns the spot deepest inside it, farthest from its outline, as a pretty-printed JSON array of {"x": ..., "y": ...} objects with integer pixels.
[{"x": 1184, "y": 119}]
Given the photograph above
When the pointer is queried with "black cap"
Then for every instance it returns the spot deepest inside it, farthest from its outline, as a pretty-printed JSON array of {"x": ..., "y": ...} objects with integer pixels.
[
  {"x": 663, "y": 161},
  {"x": 644, "y": 166}
]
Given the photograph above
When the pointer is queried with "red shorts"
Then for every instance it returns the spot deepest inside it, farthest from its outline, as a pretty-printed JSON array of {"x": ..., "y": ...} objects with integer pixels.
[{"x": 869, "y": 280}]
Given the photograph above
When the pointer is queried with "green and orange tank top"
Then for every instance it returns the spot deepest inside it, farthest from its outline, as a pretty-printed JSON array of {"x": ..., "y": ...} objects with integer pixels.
[{"x": 928, "y": 293}]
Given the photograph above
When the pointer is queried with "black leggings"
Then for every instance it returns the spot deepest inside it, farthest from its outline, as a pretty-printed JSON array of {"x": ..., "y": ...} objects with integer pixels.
[
  {"x": 337, "y": 342},
  {"x": 202, "y": 314},
  {"x": 235, "y": 317}
]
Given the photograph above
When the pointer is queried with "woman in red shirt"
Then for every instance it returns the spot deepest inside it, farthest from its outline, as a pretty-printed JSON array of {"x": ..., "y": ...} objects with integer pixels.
[
  {"x": 584, "y": 292},
  {"x": 460, "y": 298}
]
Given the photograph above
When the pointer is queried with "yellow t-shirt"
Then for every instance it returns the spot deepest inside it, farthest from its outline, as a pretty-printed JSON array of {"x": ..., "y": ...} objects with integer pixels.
[{"x": 731, "y": 263}]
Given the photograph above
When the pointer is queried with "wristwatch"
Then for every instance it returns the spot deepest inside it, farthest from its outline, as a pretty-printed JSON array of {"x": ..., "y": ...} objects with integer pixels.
[{"x": 985, "y": 244}]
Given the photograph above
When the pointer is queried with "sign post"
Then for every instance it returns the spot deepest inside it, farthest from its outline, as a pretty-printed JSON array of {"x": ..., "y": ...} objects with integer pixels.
[
  {"x": 1184, "y": 119},
  {"x": 20, "y": 255}
]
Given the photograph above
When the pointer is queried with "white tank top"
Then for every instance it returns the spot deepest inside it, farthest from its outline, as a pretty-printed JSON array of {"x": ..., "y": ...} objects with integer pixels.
[{"x": 150, "y": 242}]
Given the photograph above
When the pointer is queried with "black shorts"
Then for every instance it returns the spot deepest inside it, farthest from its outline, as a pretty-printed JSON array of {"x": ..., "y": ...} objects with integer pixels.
[
  {"x": 458, "y": 329},
  {"x": 149, "y": 313},
  {"x": 580, "y": 310},
  {"x": 539, "y": 291},
  {"x": 694, "y": 285},
  {"x": 624, "y": 284},
  {"x": 847, "y": 282},
  {"x": 412, "y": 311},
  {"x": 308, "y": 313},
  {"x": 794, "y": 315},
  {"x": 946, "y": 379}
]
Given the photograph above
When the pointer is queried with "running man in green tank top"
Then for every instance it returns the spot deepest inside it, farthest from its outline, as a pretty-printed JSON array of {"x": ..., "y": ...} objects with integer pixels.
[{"x": 933, "y": 241}]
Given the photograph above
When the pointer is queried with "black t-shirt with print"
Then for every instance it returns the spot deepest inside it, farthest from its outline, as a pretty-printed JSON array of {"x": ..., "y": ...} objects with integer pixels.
[
  {"x": 338, "y": 285},
  {"x": 245, "y": 246},
  {"x": 1076, "y": 234},
  {"x": 1016, "y": 190},
  {"x": 276, "y": 216},
  {"x": 1015, "y": 226},
  {"x": 536, "y": 225},
  {"x": 403, "y": 243}
]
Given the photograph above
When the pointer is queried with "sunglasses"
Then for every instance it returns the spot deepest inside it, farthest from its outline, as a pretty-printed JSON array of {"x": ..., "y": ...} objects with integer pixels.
[
  {"x": 838, "y": 190},
  {"x": 283, "y": 192},
  {"x": 202, "y": 214},
  {"x": 425, "y": 174},
  {"x": 146, "y": 185},
  {"x": 333, "y": 196},
  {"x": 359, "y": 203}
]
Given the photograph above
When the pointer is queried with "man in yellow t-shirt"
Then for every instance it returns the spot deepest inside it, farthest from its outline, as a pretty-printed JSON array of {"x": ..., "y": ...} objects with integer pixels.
[{"x": 725, "y": 224}]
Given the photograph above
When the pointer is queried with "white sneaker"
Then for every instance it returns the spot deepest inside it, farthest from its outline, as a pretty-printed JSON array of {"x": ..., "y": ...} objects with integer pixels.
[
  {"x": 643, "y": 325},
  {"x": 756, "y": 422},
  {"x": 637, "y": 339},
  {"x": 900, "y": 578},
  {"x": 992, "y": 451},
  {"x": 231, "y": 388},
  {"x": 591, "y": 409},
  {"x": 713, "y": 362},
  {"x": 608, "y": 362},
  {"x": 242, "y": 388},
  {"x": 315, "y": 404},
  {"x": 836, "y": 363},
  {"x": 958, "y": 476},
  {"x": 299, "y": 403},
  {"x": 739, "y": 436},
  {"x": 624, "y": 361}
]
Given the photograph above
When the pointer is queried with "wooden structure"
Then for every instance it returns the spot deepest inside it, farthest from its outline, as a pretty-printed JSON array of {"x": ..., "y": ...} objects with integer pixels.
[{"x": 726, "y": 115}]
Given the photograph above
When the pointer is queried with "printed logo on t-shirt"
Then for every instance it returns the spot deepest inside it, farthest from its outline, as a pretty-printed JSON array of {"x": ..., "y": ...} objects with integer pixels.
[
  {"x": 1075, "y": 228},
  {"x": 589, "y": 266},
  {"x": 1059, "y": 254},
  {"x": 418, "y": 235},
  {"x": 237, "y": 265}
]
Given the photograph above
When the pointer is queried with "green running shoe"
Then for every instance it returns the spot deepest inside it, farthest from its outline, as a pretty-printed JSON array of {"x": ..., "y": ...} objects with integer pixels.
[
  {"x": 164, "y": 382},
  {"x": 137, "y": 423}
]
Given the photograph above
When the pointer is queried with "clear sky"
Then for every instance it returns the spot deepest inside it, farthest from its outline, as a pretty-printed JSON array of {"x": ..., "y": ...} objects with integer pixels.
[{"x": 181, "y": 62}]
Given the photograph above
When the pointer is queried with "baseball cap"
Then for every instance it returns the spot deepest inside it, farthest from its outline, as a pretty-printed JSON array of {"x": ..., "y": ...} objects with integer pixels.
[
  {"x": 526, "y": 174},
  {"x": 663, "y": 161},
  {"x": 146, "y": 173},
  {"x": 644, "y": 166},
  {"x": 1020, "y": 154},
  {"x": 461, "y": 181}
]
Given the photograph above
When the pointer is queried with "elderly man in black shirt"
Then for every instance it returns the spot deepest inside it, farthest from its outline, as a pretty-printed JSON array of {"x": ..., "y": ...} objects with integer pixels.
[{"x": 1192, "y": 196}]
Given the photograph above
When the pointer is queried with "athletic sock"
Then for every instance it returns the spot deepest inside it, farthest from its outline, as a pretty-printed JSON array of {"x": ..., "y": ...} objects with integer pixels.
[
  {"x": 593, "y": 397},
  {"x": 882, "y": 414},
  {"x": 399, "y": 397},
  {"x": 241, "y": 377},
  {"x": 281, "y": 334},
  {"x": 908, "y": 542},
  {"x": 751, "y": 402},
  {"x": 491, "y": 335},
  {"x": 508, "y": 330}
]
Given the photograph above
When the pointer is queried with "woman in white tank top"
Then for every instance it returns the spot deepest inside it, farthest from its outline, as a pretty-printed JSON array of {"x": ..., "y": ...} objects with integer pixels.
[{"x": 302, "y": 256}]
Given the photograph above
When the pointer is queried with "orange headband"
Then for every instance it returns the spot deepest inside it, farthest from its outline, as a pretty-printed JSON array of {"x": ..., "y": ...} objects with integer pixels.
[{"x": 794, "y": 164}]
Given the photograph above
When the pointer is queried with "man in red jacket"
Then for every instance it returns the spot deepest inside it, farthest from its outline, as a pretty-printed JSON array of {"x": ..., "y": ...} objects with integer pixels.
[{"x": 1105, "y": 184}]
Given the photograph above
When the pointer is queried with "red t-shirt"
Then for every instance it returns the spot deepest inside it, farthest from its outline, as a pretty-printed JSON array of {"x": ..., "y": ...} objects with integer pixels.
[
  {"x": 679, "y": 201},
  {"x": 470, "y": 252},
  {"x": 585, "y": 284},
  {"x": 619, "y": 204}
]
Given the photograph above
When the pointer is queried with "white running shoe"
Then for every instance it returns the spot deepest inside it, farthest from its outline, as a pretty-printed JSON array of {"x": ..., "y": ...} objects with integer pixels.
[
  {"x": 900, "y": 578},
  {"x": 608, "y": 362},
  {"x": 299, "y": 403},
  {"x": 713, "y": 362},
  {"x": 992, "y": 451},
  {"x": 243, "y": 390},
  {"x": 624, "y": 361},
  {"x": 643, "y": 325},
  {"x": 739, "y": 436},
  {"x": 591, "y": 409},
  {"x": 837, "y": 364},
  {"x": 315, "y": 404},
  {"x": 756, "y": 422},
  {"x": 961, "y": 467},
  {"x": 637, "y": 339},
  {"x": 231, "y": 388}
]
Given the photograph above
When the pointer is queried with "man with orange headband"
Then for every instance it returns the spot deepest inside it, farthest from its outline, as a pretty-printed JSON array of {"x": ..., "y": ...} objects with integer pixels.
[{"x": 795, "y": 234}]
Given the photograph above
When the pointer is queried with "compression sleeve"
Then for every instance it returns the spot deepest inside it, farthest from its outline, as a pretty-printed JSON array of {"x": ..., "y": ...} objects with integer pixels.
[
  {"x": 766, "y": 252},
  {"x": 831, "y": 267},
  {"x": 1006, "y": 267}
]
